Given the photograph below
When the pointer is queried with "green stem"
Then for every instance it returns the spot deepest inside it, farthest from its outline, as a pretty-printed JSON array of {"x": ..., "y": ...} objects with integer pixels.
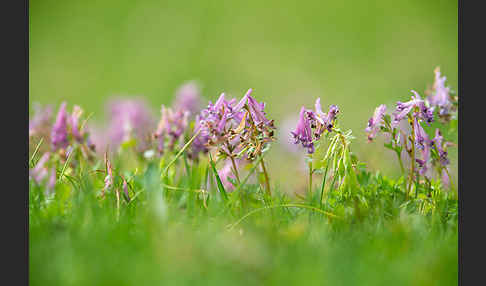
[
  {"x": 323, "y": 183},
  {"x": 412, "y": 162},
  {"x": 399, "y": 155},
  {"x": 267, "y": 180},
  {"x": 235, "y": 169},
  {"x": 310, "y": 174}
]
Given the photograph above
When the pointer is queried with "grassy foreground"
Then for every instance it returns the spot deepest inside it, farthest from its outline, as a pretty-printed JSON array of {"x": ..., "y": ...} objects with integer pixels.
[{"x": 169, "y": 232}]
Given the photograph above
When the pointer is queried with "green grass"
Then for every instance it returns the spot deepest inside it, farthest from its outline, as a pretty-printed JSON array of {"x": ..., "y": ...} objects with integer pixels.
[{"x": 371, "y": 235}]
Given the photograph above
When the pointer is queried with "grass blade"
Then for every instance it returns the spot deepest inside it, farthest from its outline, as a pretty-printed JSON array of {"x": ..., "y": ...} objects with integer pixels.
[
  {"x": 35, "y": 151},
  {"x": 231, "y": 226},
  {"x": 218, "y": 180},
  {"x": 164, "y": 173}
]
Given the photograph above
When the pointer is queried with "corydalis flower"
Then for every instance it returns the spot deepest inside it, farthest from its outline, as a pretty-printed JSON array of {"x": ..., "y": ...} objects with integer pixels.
[
  {"x": 188, "y": 98},
  {"x": 423, "y": 142},
  {"x": 59, "y": 133},
  {"x": 421, "y": 138},
  {"x": 40, "y": 122},
  {"x": 130, "y": 119},
  {"x": 199, "y": 143},
  {"x": 440, "y": 148},
  {"x": 172, "y": 124},
  {"x": 254, "y": 130},
  {"x": 217, "y": 119},
  {"x": 440, "y": 94},
  {"x": 318, "y": 120},
  {"x": 303, "y": 132},
  {"x": 321, "y": 121},
  {"x": 423, "y": 162},
  {"x": 74, "y": 122},
  {"x": 375, "y": 122},
  {"x": 404, "y": 108},
  {"x": 255, "y": 108}
]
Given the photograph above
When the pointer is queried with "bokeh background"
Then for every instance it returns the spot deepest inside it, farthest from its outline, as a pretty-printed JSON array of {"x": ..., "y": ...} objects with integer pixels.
[{"x": 355, "y": 54}]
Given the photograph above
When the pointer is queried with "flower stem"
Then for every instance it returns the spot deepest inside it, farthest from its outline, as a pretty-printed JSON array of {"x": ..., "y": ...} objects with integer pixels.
[
  {"x": 267, "y": 180},
  {"x": 399, "y": 155},
  {"x": 235, "y": 169},
  {"x": 310, "y": 174},
  {"x": 412, "y": 169}
]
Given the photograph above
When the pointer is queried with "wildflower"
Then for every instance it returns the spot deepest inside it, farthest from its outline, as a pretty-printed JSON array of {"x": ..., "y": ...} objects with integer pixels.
[
  {"x": 440, "y": 94},
  {"x": 438, "y": 143},
  {"x": 40, "y": 122},
  {"x": 318, "y": 120},
  {"x": 188, "y": 98},
  {"x": 424, "y": 161},
  {"x": 324, "y": 121},
  {"x": 39, "y": 172},
  {"x": 303, "y": 132},
  {"x": 404, "y": 108},
  {"x": 375, "y": 122},
  {"x": 172, "y": 124},
  {"x": 421, "y": 138},
  {"x": 74, "y": 122},
  {"x": 199, "y": 143},
  {"x": 59, "y": 133},
  {"x": 130, "y": 119},
  {"x": 256, "y": 109},
  {"x": 217, "y": 119}
]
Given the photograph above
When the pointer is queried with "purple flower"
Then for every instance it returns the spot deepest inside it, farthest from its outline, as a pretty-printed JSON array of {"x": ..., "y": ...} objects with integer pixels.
[
  {"x": 421, "y": 138},
  {"x": 303, "y": 132},
  {"x": 188, "y": 98},
  {"x": 39, "y": 172},
  {"x": 130, "y": 119},
  {"x": 438, "y": 143},
  {"x": 173, "y": 125},
  {"x": 256, "y": 110},
  {"x": 201, "y": 140},
  {"x": 59, "y": 133},
  {"x": 326, "y": 120},
  {"x": 404, "y": 108},
  {"x": 40, "y": 122},
  {"x": 331, "y": 116},
  {"x": 440, "y": 94},
  {"x": 424, "y": 161},
  {"x": 375, "y": 122},
  {"x": 217, "y": 119},
  {"x": 74, "y": 122}
]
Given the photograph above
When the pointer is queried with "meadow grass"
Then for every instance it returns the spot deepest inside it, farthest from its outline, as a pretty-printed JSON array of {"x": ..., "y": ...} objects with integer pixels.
[{"x": 172, "y": 231}]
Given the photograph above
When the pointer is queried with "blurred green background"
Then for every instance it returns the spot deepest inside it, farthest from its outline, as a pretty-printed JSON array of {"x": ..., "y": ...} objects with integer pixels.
[{"x": 355, "y": 54}]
